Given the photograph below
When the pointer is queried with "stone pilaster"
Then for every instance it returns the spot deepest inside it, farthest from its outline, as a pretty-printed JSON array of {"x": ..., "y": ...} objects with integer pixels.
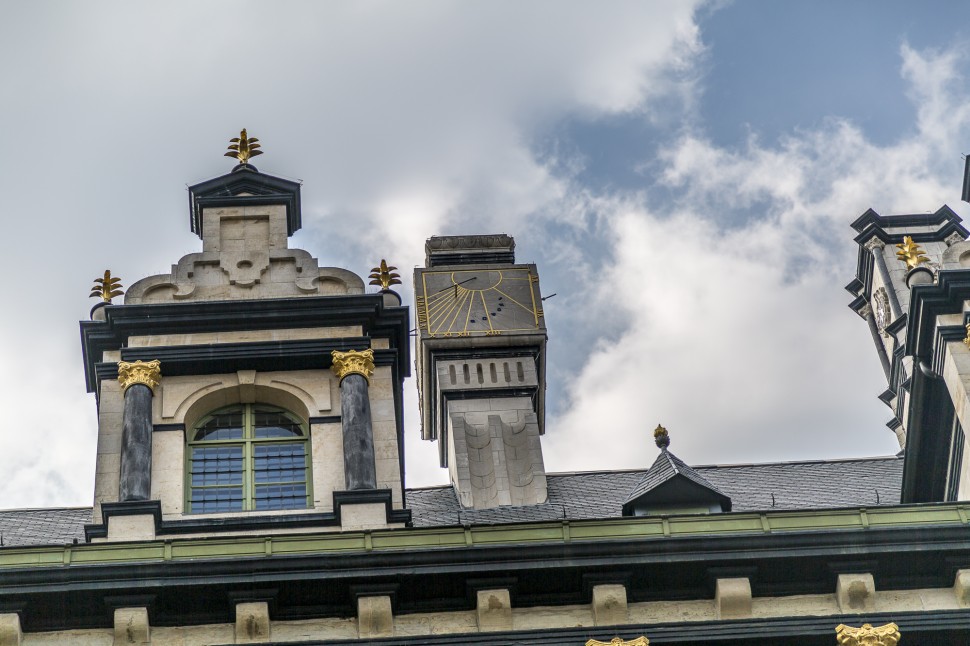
[
  {"x": 354, "y": 369},
  {"x": 138, "y": 380}
]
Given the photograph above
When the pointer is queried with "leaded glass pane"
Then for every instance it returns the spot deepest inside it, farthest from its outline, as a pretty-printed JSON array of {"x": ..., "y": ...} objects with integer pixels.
[
  {"x": 222, "y": 426},
  {"x": 289, "y": 496},
  {"x": 217, "y": 499},
  {"x": 217, "y": 465},
  {"x": 279, "y": 463},
  {"x": 271, "y": 424}
]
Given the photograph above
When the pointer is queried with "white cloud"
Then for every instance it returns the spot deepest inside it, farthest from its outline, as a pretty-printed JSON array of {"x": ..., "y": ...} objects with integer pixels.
[{"x": 739, "y": 339}]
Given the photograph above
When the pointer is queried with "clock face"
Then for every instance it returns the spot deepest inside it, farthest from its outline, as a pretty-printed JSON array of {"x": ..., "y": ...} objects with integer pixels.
[{"x": 477, "y": 302}]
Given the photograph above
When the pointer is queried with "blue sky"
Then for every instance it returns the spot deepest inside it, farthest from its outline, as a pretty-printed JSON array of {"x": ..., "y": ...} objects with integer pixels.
[{"x": 684, "y": 174}]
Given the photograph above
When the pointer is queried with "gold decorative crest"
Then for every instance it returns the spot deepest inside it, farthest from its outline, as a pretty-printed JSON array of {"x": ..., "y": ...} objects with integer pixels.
[
  {"x": 887, "y": 635},
  {"x": 616, "y": 641},
  {"x": 243, "y": 147},
  {"x": 353, "y": 362},
  {"x": 107, "y": 287},
  {"x": 148, "y": 373},
  {"x": 384, "y": 276},
  {"x": 911, "y": 253}
]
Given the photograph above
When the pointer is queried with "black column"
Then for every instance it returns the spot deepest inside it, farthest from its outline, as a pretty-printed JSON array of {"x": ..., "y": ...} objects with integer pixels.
[
  {"x": 138, "y": 381},
  {"x": 136, "y": 445},
  {"x": 360, "y": 471}
]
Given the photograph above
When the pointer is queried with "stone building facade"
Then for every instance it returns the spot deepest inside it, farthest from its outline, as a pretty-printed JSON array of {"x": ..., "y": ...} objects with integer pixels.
[{"x": 250, "y": 472}]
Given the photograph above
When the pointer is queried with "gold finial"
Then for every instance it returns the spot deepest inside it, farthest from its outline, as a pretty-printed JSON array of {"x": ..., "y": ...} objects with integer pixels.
[
  {"x": 384, "y": 276},
  {"x": 661, "y": 437},
  {"x": 148, "y": 373},
  {"x": 107, "y": 288},
  {"x": 616, "y": 641},
  {"x": 353, "y": 362},
  {"x": 887, "y": 635},
  {"x": 243, "y": 147},
  {"x": 911, "y": 253}
]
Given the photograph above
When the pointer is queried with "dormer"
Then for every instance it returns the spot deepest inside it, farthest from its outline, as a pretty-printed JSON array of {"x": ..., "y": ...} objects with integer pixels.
[
  {"x": 250, "y": 389},
  {"x": 671, "y": 487}
]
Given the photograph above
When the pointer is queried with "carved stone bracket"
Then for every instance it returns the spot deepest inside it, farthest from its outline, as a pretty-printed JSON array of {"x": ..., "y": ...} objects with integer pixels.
[
  {"x": 867, "y": 635},
  {"x": 148, "y": 373},
  {"x": 353, "y": 362}
]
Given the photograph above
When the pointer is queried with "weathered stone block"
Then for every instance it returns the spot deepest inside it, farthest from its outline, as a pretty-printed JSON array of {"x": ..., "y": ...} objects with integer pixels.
[
  {"x": 252, "y": 622},
  {"x": 132, "y": 627},
  {"x": 856, "y": 592},
  {"x": 10, "y": 632},
  {"x": 961, "y": 588},
  {"x": 374, "y": 617},
  {"x": 732, "y": 598},
  {"x": 494, "y": 610},
  {"x": 609, "y": 604}
]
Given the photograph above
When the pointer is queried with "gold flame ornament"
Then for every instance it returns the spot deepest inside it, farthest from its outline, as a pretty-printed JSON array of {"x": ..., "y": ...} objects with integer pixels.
[
  {"x": 887, "y": 635},
  {"x": 106, "y": 288},
  {"x": 911, "y": 253},
  {"x": 244, "y": 147},
  {"x": 384, "y": 276},
  {"x": 616, "y": 641}
]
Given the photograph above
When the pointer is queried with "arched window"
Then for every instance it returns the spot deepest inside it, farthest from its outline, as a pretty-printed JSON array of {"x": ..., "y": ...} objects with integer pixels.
[{"x": 248, "y": 457}]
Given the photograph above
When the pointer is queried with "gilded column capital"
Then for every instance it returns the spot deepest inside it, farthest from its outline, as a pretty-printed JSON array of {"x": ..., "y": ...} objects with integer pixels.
[
  {"x": 887, "y": 635},
  {"x": 148, "y": 373},
  {"x": 353, "y": 362}
]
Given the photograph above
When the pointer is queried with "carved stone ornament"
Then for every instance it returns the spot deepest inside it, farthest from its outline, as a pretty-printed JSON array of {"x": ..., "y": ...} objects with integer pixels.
[
  {"x": 148, "y": 373},
  {"x": 874, "y": 244},
  {"x": 953, "y": 239},
  {"x": 887, "y": 635},
  {"x": 880, "y": 309},
  {"x": 616, "y": 641},
  {"x": 353, "y": 362},
  {"x": 493, "y": 241}
]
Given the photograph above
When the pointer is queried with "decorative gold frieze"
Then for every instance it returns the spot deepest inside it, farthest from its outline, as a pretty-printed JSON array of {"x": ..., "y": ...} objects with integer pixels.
[
  {"x": 107, "y": 287},
  {"x": 616, "y": 641},
  {"x": 887, "y": 635},
  {"x": 911, "y": 253},
  {"x": 966, "y": 340},
  {"x": 384, "y": 276},
  {"x": 243, "y": 147},
  {"x": 139, "y": 372},
  {"x": 353, "y": 362}
]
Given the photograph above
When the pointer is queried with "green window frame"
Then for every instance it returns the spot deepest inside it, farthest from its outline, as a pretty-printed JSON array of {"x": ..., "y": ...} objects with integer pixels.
[{"x": 248, "y": 457}]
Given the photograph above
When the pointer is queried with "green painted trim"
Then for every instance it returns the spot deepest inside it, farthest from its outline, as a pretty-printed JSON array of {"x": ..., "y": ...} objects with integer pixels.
[{"x": 566, "y": 531}]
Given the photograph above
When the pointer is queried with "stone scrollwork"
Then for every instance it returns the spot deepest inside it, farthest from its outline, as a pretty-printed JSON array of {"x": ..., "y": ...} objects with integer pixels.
[
  {"x": 616, "y": 641},
  {"x": 148, "y": 373},
  {"x": 353, "y": 362},
  {"x": 880, "y": 307},
  {"x": 867, "y": 635}
]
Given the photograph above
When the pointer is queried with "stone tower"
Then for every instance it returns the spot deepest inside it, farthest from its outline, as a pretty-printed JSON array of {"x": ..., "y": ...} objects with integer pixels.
[
  {"x": 912, "y": 287},
  {"x": 481, "y": 368},
  {"x": 249, "y": 389}
]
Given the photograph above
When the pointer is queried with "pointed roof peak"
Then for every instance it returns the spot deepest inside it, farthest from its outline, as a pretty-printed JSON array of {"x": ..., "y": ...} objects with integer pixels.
[{"x": 671, "y": 482}]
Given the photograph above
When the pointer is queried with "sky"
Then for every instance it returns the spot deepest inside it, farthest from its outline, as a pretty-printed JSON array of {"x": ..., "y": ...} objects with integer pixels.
[{"x": 683, "y": 173}]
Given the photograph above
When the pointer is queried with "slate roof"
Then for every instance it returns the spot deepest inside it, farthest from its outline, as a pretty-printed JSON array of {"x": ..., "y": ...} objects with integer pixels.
[
  {"x": 665, "y": 468},
  {"x": 817, "y": 484},
  {"x": 55, "y": 526},
  {"x": 594, "y": 494}
]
